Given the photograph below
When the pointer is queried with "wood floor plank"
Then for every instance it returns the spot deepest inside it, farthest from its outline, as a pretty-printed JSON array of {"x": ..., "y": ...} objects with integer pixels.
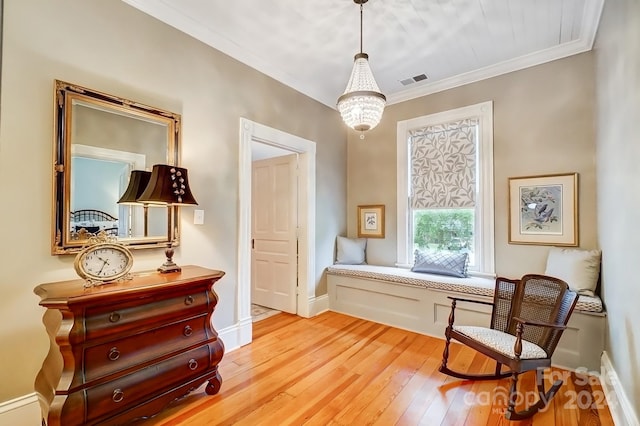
[
  {"x": 333, "y": 369},
  {"x": 478, "y": 401},
  {"x": 395, "y": 378},
  {"x": 604, "y": 414},
  {"x": 370, "y": 374},
  {"x": 566, "y": 413},
  {"x": 428, "y": 391},
  {"x": 403, "y": 399},
  {"x": 448, "y": 392},
  {"x": 457, "y": 411},
  {"x": 387, "y": 384},
  {"x": 313, "y": 399},
  {"x": 547, "y": 415}
]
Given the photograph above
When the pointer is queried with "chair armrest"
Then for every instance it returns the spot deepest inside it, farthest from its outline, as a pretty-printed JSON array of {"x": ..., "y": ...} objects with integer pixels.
[
  {"x": 459, "y": 299},
  {"x": 454, "y": 300},
  {"x": 540, "y": 323}
]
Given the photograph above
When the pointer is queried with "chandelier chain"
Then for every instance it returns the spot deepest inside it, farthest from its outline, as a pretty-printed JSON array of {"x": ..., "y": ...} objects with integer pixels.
[{"x": 361, "y": 28}]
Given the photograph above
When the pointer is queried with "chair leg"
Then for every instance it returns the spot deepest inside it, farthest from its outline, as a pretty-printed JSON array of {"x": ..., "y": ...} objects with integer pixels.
[
  {"x": 498, "y": 368},
  {"x": 513, "y": 395},
  {"x": 543, "y": 398},
  {"x": 447, "y": 335}
]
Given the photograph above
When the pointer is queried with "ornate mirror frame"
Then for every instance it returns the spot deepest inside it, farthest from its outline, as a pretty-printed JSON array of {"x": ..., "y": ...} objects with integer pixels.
[{"x": 68, "y": 233}]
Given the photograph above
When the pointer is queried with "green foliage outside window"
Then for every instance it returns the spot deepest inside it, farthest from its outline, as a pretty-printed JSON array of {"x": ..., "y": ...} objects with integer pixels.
[{"x": 446, "y": 229}]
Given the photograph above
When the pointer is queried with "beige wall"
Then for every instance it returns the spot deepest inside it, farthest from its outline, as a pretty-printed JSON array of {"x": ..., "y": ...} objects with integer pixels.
[
  {"x": 618, "y": 172},
  {"x": 111, "y": 47},
  {"x": 543, "y": 123}
]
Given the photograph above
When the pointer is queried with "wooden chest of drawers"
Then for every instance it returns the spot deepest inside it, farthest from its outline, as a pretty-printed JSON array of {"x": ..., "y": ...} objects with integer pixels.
[{"x": 123, "y": 351}]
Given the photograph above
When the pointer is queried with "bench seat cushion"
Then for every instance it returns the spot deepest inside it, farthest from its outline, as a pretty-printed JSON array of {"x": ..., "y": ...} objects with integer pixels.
[{"x": 470, "y": 285}]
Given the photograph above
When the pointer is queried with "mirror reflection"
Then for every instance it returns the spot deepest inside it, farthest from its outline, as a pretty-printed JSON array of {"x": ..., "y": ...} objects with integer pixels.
[{"x": 100, "y": 140}]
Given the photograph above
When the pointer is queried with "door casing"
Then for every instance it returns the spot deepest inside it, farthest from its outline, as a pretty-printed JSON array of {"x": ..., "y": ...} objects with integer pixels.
[{"x": 250, "y": 132}]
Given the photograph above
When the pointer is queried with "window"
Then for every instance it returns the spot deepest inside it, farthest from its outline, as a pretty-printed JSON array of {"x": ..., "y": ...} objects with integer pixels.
[{"x": 445, "y": 185}]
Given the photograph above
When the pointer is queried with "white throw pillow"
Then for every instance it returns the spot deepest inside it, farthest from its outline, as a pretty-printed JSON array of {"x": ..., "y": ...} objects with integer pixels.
[
  {"x": 351, "y": 251},
  {"x": 578, "y": 268}
]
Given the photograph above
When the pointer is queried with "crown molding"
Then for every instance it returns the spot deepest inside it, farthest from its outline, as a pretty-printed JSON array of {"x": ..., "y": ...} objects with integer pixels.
[
  {"x": 584, "y": 43},
  {"x": 164, "y": 12}
]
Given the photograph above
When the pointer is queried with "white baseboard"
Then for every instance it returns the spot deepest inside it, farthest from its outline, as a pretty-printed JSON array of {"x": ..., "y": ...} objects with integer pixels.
[
  {"x": 22, "y": 411},
  {"x": 237, "y": 335},
  {"x": 318, "y": 305},
  {"x": 622, "y": 410},
  {"x": 240, "y": 334}
]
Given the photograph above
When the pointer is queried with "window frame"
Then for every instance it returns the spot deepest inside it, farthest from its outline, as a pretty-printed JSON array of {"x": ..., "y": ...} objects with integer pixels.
[{"x": 484, "y": 216}]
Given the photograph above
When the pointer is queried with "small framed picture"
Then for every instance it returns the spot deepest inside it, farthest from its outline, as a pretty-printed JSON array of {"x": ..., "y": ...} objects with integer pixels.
[
  {"x": 371, "y": 221},
  {"x": 543, "y": 210}
]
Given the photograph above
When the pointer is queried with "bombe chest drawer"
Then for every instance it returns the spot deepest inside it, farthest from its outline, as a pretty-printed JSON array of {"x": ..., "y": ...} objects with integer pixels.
[{"x": 123, "y": 351}]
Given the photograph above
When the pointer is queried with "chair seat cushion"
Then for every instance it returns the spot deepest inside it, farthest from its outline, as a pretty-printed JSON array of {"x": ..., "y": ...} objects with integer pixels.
[{"x": 501, "y": 342}]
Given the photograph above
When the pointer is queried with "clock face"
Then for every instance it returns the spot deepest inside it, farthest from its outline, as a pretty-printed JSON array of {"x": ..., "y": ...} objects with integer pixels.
[{"x": 103, "y": 262}]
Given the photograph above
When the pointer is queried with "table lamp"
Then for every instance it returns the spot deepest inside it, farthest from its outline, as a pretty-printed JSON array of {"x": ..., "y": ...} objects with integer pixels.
[{"x": 168, "y": 185}]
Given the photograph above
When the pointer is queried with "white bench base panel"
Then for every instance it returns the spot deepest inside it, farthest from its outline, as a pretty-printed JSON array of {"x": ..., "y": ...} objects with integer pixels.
[{"x": 426, "y": 311}]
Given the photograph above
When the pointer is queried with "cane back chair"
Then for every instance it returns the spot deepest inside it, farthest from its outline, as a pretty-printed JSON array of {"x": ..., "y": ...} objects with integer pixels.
[{"x": 527, "y": 321}]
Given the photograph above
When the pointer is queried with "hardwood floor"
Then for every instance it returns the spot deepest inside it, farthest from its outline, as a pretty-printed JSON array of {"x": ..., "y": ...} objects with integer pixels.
[{"x": 338, "y": 370}]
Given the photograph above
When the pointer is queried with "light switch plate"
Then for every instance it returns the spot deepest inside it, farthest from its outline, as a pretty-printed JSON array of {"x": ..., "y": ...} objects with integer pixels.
[{"x": 198, "y": 217}]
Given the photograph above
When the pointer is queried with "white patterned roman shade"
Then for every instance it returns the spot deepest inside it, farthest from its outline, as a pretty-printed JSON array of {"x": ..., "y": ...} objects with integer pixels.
[{"x": 443, "y": 165}]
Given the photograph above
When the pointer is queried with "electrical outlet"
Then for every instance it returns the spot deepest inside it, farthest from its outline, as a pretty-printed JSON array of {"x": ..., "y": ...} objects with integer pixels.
[{"x": 198, "y": 217}]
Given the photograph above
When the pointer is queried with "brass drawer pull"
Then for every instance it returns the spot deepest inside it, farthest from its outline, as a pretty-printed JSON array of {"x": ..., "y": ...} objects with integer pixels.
[
  {"x": 118, "y": 395},
  {"x": 188, "y": 331},
  {"x": 114, "y": 354},
  {"x": 189, "y": 300},
  {"x": 193, "y": 364},
  {"x": 114, "y": 317}
]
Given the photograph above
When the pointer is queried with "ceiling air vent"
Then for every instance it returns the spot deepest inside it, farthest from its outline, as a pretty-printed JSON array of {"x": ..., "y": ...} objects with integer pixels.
[{"x": 415, "y": 79}]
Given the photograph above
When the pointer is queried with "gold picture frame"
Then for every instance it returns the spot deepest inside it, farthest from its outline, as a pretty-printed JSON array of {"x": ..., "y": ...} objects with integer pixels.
[
  {"x": 371, "y": 221},
  {"x": 543, "y": 210}
]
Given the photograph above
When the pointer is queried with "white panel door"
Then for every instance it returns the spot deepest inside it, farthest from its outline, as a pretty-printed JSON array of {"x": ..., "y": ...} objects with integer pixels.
[{"x": 274, "y": 268}]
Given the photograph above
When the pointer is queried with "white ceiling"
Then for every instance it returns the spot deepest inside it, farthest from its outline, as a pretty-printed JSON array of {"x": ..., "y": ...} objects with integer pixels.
[{"x": 309, "y": 45}]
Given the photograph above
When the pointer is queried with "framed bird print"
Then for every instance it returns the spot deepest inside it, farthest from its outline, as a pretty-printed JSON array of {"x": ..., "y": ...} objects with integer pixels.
[
  {"x": 543, "y": 210},
  {"x": 371, "y": 221}
]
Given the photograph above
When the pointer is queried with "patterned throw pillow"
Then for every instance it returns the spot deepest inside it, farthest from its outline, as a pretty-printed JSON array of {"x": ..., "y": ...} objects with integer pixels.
[{"x": 452, "y": 264}]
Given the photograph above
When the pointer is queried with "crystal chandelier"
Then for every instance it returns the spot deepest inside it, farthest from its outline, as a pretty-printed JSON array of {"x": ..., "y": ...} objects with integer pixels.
[{"x": 361, "y": 104}]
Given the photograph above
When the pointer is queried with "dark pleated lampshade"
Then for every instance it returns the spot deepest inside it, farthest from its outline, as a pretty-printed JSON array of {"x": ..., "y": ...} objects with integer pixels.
[
  {"x": 168, "y": 185},
  {"x": 138, "y": 182}
]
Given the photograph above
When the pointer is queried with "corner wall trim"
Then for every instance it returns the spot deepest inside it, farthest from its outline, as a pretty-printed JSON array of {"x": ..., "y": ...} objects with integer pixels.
[
  {"x": 21, "y": 411},
  {"x": 236, "y": 335},
  {"x": 318, "y": 305},
  {"x": 621, "y": 408}
]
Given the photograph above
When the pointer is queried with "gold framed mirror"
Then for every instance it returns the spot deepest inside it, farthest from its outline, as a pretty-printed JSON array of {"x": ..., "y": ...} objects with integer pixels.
[{"x": 99, "y": 140}]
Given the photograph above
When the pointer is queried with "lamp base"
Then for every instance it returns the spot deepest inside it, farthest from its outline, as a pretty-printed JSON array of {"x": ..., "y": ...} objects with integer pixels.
[{"x": 169, "y": 265}]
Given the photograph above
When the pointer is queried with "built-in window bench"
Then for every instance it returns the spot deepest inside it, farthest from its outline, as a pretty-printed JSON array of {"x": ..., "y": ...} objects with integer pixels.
[{"x": 418, "y": 302}]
